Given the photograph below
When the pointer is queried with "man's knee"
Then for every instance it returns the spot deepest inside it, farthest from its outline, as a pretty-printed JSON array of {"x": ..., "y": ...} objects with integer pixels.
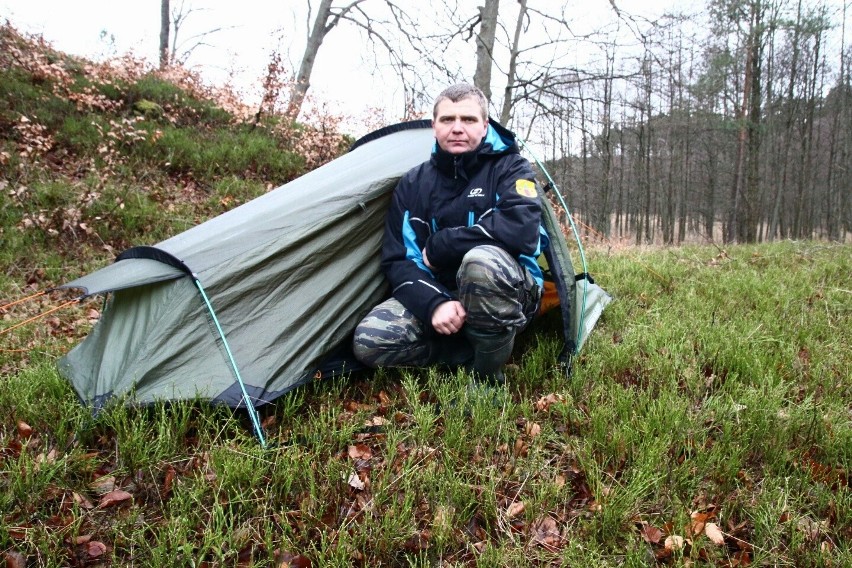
[
  {"x": 388, "y": 336},
  {"x": 484, "y": 265},
  {"x": 492, "y": 287}
]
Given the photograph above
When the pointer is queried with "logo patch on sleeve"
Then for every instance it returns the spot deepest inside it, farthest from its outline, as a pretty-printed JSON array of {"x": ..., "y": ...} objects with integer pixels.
[{"x": 525, "y": 187}]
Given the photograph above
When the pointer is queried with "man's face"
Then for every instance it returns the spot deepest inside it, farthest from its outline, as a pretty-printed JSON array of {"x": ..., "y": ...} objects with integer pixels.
[{"x": 459, "y": 127}]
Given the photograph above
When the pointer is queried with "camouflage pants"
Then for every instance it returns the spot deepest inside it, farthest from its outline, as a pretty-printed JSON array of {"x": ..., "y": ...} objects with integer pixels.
[{"x": 496, "y": 292}]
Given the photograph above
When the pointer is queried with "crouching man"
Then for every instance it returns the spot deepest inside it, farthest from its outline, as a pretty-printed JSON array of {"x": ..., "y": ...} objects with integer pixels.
[{"x": 460, "y": 243}]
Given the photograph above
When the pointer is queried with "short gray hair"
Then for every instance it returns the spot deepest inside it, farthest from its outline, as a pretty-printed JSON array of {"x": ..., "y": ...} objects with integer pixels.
[{"x": 460, "y": 91}]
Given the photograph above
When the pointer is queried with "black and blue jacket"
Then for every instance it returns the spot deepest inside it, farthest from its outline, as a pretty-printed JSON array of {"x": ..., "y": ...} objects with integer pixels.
[{"x": 451, "y": 204}]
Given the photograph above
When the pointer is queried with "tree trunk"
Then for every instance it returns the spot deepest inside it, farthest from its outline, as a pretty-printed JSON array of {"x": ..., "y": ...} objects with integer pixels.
[
  {"x": 584, "y": 158},
  {"x": 734, "y": 215},
  {"x": 646, "y": 157},
  {"x": 751, "y": 198},
  {"x": 485, "y": 46},
  {"x": 506, "y": 112},
  {"x": 324, "y": 22},
  {"x": 165, "y": 24},
  {"x": 602, "y": 218},
  {"x": 788, "y": 136},
  {"x": 303, "y": 77}
]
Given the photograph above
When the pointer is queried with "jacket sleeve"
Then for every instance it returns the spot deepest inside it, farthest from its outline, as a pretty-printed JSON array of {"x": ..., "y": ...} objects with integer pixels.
[
  {"x": 513, "y": 223},
  {"x": 412, "y": 283}
]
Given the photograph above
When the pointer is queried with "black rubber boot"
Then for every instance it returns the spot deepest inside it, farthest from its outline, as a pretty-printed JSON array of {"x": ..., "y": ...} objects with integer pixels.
[
  {"x": 490, "y": 351},
  {"x": 451, "y": 352}
]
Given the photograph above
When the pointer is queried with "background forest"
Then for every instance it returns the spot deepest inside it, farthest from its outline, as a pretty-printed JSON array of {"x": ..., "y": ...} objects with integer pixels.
[
  {"x": 723, "y": 120},
  {"x": 726, "y": 121}
]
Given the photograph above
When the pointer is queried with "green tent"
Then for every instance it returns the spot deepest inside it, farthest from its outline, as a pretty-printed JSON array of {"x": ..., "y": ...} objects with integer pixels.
[{"x": 248, "y": 305}]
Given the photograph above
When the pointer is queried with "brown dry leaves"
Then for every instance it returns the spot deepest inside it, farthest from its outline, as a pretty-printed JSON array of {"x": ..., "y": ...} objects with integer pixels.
[
  {"x": 113, "y": 498},
  {"x": 703, "y": 531}
]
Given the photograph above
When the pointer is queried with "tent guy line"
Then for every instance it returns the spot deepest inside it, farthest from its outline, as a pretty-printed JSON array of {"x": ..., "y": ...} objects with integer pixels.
[{"x": 38, "y": 316}]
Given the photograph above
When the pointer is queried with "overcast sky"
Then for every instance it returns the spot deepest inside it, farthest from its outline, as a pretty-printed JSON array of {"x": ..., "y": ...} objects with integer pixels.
[
  {"x": 98, "y": 28},
  {"x": 252, "y": 29}
]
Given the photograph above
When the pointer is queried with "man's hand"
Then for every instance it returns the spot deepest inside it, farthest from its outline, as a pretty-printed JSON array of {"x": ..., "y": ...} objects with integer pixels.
[
  {"x": 448, "y": 318},
  {"x": 426, "y": 260}
]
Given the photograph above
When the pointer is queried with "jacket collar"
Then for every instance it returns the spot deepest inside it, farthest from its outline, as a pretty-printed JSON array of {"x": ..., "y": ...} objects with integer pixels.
[{"x": 498, "y": 141}]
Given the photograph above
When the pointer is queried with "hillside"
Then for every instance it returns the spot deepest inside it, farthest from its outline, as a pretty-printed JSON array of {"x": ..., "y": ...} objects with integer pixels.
[{"x": 94, "y": 157}]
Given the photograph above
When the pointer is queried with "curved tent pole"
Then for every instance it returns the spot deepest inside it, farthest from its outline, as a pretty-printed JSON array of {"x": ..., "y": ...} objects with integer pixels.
[
  {"x": 558, "y": 192},
  {"x": 249, "y": 404},
  {"x": 167, "y": 258}
]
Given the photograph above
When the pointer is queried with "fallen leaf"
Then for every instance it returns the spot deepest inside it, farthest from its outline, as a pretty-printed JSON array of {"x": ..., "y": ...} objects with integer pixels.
[
  {"x": 24, "y": 429},
  {"x": 95, "y": 548},
  {"x": 714, "y": 533},
  {"x": 545, "y": 402},
  {"x": 289, "y": 560},
  {"x": 515, "y": 509},
  {"x": 360, "y": 452},
  {"x": 114, "y": 498},
  {"x": 651, "y": 534},
  {"x": 81, "y": 501},
  {"x": 533, "y": 429},
  {"x": 169, "y": 480},
  {"x": 741, "y": 558},
  {"x": 355, "y": 482},
  {"x": 674, "y": 542},
  {"x": 698, "y": 521},
  {"x": 546, "y": 533},
  {"x": 15, "y": 560}
]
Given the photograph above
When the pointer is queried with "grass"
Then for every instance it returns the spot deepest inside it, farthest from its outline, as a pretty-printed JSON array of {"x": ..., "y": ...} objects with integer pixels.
[{"x": 715, "y": 391}]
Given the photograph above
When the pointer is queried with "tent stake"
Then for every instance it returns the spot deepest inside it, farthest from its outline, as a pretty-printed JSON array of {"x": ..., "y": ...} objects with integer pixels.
[{"x": 249, "y": 404}]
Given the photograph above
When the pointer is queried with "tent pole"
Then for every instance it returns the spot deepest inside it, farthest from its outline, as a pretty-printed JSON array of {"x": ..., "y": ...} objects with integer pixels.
[
  {"x": 249, "y": 404},
  {"x": 576, "y": 236}
]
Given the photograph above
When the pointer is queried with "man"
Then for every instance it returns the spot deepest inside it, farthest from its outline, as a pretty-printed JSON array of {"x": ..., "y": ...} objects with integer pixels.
[{"x": 460, "y": 244}]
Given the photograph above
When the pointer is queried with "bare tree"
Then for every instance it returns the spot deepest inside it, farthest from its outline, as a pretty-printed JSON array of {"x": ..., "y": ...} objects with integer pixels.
[
  {"x": 508, "y": 92},
  {"x": 172, "y": 48},
  {"x": 386, "y": 26},
  {"x": 324, "y": 22},
  {"x": 165, "y": 27},
  {"x": 485, "y": 46}
]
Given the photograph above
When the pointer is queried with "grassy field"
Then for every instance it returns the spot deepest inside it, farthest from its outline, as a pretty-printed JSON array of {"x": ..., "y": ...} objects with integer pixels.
[{"x": 708, "y": 422}]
